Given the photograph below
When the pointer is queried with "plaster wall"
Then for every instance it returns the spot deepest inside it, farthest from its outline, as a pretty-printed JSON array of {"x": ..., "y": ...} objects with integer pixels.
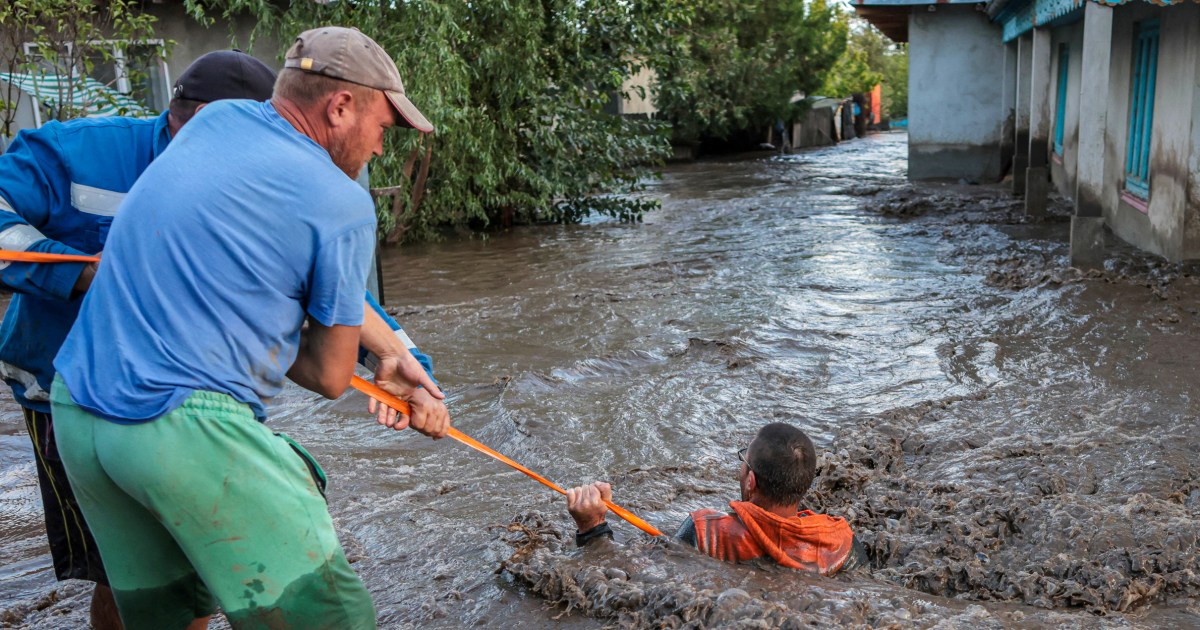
[
  {"x": 1172, "y": 208},
  {"x": 637, "y": 93},
  {"x": 1094, "y": 114},
  {"x": 955, "y": 82},
  {"x": 1008, "y": 107},
  {"x": 1063, "y": 168},
  {"x": 1158, "y": 225},
  {"x": 1191, "y": 222},
  {"x": 193, "y": 40},
  {"x": 1039, "y": 99}
]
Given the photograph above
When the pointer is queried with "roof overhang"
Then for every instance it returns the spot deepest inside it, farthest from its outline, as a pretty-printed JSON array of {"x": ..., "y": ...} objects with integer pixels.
[
  {"x": 890, "y": 20},
  {"x": 891, "y": 16}
]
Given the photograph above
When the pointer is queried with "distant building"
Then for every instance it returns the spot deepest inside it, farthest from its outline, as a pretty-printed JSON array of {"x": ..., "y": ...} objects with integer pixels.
[
  {"x": 1101, "y": 101},
  {"x": 636, "y": 96},
  {"x": 820, "y": 125}
]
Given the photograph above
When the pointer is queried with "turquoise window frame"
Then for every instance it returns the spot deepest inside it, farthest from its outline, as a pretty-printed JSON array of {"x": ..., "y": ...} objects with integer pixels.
[
  {"x": 1141, "y": 109},
  {"x": 1060, "y": 115}
]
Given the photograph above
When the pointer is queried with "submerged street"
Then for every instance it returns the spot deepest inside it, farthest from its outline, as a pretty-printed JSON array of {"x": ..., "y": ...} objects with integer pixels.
[{"x": 1012, "y": 441}]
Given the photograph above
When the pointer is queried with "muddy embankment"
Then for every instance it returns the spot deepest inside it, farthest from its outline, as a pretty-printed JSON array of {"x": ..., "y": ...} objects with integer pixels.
[{"x": 1063, "y": 493}]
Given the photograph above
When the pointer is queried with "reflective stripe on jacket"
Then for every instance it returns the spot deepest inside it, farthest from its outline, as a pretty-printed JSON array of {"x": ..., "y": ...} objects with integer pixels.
[{"x": 60, "y": 187}]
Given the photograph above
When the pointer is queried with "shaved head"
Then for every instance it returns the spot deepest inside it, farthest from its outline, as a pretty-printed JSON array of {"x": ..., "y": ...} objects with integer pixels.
[{"x": 784, "y": 462}]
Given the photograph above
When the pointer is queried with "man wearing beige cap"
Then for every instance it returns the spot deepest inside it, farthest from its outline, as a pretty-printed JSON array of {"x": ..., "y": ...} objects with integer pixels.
[{"x": 189, "y": 329}]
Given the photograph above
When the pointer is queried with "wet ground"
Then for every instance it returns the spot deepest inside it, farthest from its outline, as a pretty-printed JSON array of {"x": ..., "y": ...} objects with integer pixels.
[{"x": 1012, "y": 440}]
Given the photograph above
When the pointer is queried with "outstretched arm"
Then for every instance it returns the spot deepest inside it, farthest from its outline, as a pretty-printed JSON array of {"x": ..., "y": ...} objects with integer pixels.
[
  {"x": 398, "y": 372},
  {"x": 586, "y": 506},
  {"x": 365, "y": 355}
]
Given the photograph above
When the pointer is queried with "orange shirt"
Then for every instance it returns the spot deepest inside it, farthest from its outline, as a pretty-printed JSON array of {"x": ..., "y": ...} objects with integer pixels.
[{"x": 806, "y": 541}]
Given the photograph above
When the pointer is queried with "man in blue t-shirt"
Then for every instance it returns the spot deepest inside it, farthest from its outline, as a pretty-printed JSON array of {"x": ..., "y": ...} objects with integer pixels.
[
  {"x": 218, "y": 282},
  {"x": 60, "y": 187}
]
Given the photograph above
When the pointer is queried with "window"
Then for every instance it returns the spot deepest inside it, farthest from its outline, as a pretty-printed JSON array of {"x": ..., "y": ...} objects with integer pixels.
[
  {"x": 136, "y": 71},
  {"x": 1141, "y": 109},
  {"x": 1060, "y": 116}
]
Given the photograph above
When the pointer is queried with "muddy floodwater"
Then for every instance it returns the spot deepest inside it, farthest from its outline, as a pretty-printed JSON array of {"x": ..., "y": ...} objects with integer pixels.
[{"x": 1014, "y": 442}]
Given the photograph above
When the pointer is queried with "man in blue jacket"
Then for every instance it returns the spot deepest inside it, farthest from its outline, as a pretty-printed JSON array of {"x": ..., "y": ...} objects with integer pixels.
[{"x": 60, "y": 187}]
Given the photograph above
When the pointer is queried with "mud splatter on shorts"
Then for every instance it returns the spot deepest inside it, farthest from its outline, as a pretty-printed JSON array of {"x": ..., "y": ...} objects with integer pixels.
[{"x": 206, "y": 506}]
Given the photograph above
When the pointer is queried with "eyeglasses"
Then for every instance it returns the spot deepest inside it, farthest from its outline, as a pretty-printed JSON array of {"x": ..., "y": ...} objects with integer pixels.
[{"x": 742, "y": 458}]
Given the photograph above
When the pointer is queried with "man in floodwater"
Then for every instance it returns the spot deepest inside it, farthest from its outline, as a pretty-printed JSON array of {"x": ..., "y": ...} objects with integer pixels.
[{"x": 775, "y": 472}]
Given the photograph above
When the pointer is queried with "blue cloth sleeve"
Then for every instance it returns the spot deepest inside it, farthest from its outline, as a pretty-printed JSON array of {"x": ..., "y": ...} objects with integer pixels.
[
  {"x": 338, "y": 274},
  {"x": 32, "y": 175},
  {"x": 424, "y": 359}
]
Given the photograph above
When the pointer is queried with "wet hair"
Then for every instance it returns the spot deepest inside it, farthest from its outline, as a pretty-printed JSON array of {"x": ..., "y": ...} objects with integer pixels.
[
  {"x": 307, "y": 88},
  {"x": 784, "y": 462},
  {"x": 182, "y": 109}
]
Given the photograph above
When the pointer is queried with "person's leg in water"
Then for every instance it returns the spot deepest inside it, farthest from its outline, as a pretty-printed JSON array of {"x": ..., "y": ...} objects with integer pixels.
[
  {"x": 140, "y": 551},
  {"x": 104, "y": 614},
  {"x": 72, "y": 546}
]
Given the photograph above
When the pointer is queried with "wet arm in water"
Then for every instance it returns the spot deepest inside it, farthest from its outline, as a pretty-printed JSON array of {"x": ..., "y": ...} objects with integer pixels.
[
  {"x": 858, "y": 558},
  {"x": 686, "y": 534}
]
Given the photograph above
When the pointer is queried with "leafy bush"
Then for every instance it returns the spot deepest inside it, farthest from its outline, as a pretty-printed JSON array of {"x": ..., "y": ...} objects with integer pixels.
[{"x": 517, "y": 92}]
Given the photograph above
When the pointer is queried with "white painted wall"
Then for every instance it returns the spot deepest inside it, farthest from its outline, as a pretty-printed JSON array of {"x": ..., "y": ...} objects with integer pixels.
[
  {"x": 955, "y": 82},
  {"x": 1064, "y": 168},
  {"x": 634, "y": 103},
  {"x": 24, "y": 118},
  {"x": 1171, "y": 137},
  {"x": 1160, "y": 228},
  {"x": 193, "y": 40}
]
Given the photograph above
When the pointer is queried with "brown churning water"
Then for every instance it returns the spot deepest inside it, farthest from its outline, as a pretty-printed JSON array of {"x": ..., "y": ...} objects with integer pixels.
[{"x": 1013, "y": 442}]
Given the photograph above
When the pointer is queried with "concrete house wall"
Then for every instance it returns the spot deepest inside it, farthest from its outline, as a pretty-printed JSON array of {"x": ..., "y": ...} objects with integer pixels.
[
  {"x": 1063, "y": 168},
  {"x": 975, "y": 102},
  {"x": 1191, "y": 223},
  {"x": 956, "y": 69},
  {"x": 193, "y": 40},
  {"x": 1156, "y": 225}
]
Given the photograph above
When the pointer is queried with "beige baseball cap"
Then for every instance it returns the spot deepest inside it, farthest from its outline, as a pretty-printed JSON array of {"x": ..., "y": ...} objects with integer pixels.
[{"x": 347, "y": 54}]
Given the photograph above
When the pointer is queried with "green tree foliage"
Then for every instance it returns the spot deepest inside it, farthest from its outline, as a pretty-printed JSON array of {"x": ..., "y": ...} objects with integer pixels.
[
  {"x": 516, "y": 90},
  {"x": 61, "y": 41},
  {"x": 870, "y": 59},
  {"x": 736, "y": 64},
  {"x": 895, "y": 83},
  {"x": 852, "y": 74}
]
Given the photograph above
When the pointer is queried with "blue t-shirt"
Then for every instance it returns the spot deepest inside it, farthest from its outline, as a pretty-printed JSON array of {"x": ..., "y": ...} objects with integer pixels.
[{"x": 239, "y": 229}]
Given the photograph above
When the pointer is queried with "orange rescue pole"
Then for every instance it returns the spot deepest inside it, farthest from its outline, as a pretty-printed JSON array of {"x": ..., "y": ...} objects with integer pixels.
[
  {"x": 40, "y": 257},
  {"x": 374, "y": 391}
]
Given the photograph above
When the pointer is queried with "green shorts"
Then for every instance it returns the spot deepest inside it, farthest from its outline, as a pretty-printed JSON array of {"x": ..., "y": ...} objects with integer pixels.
[{"x": 206, "y": 506}]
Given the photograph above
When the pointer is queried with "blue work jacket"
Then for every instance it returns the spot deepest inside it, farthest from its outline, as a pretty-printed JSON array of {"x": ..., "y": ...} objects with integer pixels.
[{"x": 60, "y": 187}]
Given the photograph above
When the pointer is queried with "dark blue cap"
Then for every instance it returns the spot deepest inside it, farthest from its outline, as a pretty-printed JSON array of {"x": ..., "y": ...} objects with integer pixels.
[{"x": 225, "y": 74}]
